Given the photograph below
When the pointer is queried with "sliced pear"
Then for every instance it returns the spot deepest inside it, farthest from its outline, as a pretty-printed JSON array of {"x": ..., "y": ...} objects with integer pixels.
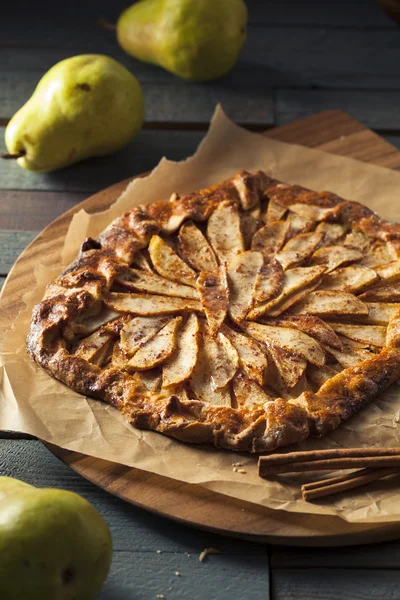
[
  {"x": 146, "y": 304},
  {"x": 285, "y": 305},
  {"x": 331, "y": 231},
  {"x": 140, "y": 330},
  {"x": 222, "y": 358},
  {"x": 270, "y": 238},
  {"x": 335, "y": 256},
  {"x": 242, "y": 274},
  {"x": 168, "y": 264},
  {"x": 195, "y": 248},
  {"x": 379, "y": 254},
  {"x": 289, "y": 366},
  {"x": 288, "y": 338},
  {"x": 269, "y": 282},
  {"x": 214, "y": 295},
  {"x": 390, "y": 272},
  {"x": 317, "y": 376},
  {"x": 202, "y": 386},
  {"x": 298, "y": 224},
  {"x": 386, "y": 293},
  {"x": 294, "y": 280},
  {"x": 224, "y": 233},
  {"x": 252, "y": 360},
  {"x": 94, "y": 322},
  {"x": 157, "y": 349},
  {"x": 274, "y": 212},
  {"x": 141, "y": 262},
  {"x": 298, "y": 249},
  {"x": 119, "y": 359},
  {"x": 249, "y": 226},
  {"x": 358, "y": 240},
  {"x": 354, "y": 278},
  {"x": 350, "y": 357},
  {"x": 380, "y": 313},
  {"x": 180, "y": 365},
  {"x": 326, "y": 303},
  {"x": 247, "y": 191},
  {"x": 248, "y": 393},
  {"x": 150, "y": 380},
  {"x": 143, "y": 281},
  {"x": 371, "y": 335},
  {"x": 312, "y": 212},
  {"x": 312, "y": 326},
  {"x": 95, "y": 347}
]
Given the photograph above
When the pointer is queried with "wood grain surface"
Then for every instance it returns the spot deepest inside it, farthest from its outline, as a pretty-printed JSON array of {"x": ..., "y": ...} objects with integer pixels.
[{"x": 193, "y": 504}]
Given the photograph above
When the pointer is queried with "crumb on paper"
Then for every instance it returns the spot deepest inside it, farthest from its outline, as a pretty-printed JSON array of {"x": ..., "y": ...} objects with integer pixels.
[
  {"x": 207, "y": 551},
  {"x": 237, "y": 464},
  {"x": 177, "y": 573},
  {"x": 234, "y": 469},
  {"x": 241, "y": 471}
]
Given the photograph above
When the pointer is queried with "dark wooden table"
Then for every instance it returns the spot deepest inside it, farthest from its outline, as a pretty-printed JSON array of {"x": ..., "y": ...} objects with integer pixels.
[{"x": 300, "y": 58}]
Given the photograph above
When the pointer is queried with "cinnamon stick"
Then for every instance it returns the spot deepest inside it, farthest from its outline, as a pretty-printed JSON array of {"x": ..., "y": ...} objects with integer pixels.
[
  {"x": 327, "y": 464},
  {"x": 290, "y": 457},
  {"x": 335, "y": 485}
]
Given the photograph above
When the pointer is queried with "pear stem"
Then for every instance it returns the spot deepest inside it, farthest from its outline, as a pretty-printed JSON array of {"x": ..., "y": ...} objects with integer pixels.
[
  {"x": 13, "y": 156},
  {"x": 104, "y": 24}
]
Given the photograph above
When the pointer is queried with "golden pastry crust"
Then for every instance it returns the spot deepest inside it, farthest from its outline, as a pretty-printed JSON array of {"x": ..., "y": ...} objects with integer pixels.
[{"x": 60, "y": 321}]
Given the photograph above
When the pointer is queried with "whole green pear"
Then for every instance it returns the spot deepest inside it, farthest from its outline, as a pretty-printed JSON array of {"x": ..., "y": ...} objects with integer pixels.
[
  {"x": 84, "y": 106},
  {"x": 194, "y": 39},
  {"x": 54, "y": 545}
]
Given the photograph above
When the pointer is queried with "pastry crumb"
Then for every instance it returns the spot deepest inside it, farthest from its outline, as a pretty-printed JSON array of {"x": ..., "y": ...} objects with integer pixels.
[
  {"x": 207, "y": 551},
  {"x": 237, "y": 464},
  {"x": 241, "y": 471},
  {"x": 234, "y": 469}
]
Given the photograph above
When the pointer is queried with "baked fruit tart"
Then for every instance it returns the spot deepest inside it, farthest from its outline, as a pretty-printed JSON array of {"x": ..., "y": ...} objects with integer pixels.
[{"x": 249, "y": 315}]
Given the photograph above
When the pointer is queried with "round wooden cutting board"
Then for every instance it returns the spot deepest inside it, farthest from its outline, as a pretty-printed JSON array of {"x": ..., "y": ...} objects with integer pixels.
[
  {"x": 192, "y": 504},
  {"x": 189, "y": 504}
]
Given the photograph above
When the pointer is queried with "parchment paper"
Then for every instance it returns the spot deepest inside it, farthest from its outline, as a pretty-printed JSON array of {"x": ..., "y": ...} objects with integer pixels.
[{"x": 32, "y": 402}]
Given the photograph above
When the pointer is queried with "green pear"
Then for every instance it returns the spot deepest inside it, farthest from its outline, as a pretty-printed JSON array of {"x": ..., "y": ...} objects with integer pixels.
[
  {"x": 84, "y": 106},
  {"x": 194, "y": 39},
  {"x": 54, "y": 545}
]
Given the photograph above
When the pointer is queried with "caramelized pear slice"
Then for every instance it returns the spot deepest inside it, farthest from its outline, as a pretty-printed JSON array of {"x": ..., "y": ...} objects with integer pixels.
[
  {"x": 195, "y": 249},
  {"x": 335, "y": 256},
  {"x": 298, "y": 224},
  {"x": 285, "y": 305},
  {"x": 357, "y": 239},
  {"x": 201, "y": 383},
  {"x": 252, "y": 360},
  {"x": 168, "y": 264},
  {"x": 386, "y": 293},
  {"x": 298, "y": 249},
  {"x": 289, "y": 366},
  {"x": 371, "y": 335},
  {"x": 331, "y": 231},
  {"x": 180, "y": 365},
  {"x": 380, "y": 313},
  {"x": 269, "y": 282},
  {"x": 270, "y": 238},
  {"x": 330, "y": 304},
  {"x": 150, "y": 380},
  {"x": 143, "y": 281},
  {"x": 288, "y": 338},
  {"x": 350, "y": 357},
  {"x": 317, "y": 376},
  {"x": 390, "y": 272},
  {"x": 294, "y": 280},
  {"x": 354, "y": 278},
  {"x": 274, "y": 212},
  {"x": 312, "y": 212},
  {"x": 224, "y": 233},
  {"x": 95, "y": 347},
  {"x": 140, "y": 330},
  {"x": 248, "y": 393},
  {"x": 214, "y": 295},
  {"x": 157, "y": 349},
  {"x": 140, "y": 261},
  {"x": 249, "y": 225},
  {"x": 312, "y": 326},
  {"x": 379, "y": 254},
  {"x": 94, "y": 322},
  {"x": 242, "y": 274},
  {"x": 146, "y": 304},
  {"x": 222, "y": 358}
]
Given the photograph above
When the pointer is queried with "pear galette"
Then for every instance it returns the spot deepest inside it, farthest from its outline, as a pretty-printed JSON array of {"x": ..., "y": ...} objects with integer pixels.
[{"x": 250, "y": 315}]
